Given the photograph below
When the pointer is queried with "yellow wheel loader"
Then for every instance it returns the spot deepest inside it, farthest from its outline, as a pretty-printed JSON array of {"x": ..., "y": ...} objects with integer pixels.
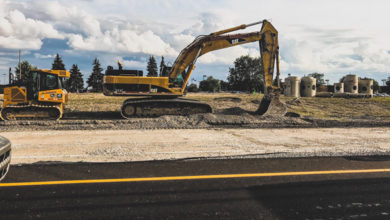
[
  {"x": 42, "y": 97},
  {"x": 162, "y": 93}
]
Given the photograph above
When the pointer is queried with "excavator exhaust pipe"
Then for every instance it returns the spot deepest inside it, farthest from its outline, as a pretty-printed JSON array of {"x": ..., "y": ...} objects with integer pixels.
[{"x": 271, "y": 105}]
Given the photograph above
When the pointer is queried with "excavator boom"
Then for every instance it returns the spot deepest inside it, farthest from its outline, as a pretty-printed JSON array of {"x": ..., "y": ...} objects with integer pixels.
[{"x": 267, "y": 38}]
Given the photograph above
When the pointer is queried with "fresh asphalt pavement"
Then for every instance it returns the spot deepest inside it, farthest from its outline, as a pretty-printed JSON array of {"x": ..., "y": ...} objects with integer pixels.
[{"x": 290, "y": 192}]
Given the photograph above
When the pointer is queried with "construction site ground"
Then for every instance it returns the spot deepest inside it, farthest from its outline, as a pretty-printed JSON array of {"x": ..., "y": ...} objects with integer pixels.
[
  {"x": 92, "y": 130},
  {"x": 145, "y": 145},
  {"x": 91, "y": 111}
]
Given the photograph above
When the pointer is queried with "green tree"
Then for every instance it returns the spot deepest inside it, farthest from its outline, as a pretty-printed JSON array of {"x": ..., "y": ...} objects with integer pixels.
[
  {"x": 224, "y": 85},
  {"x": 57, "y": 63},
  {"x": 162, "y": 66},
  {"x": 319, "y": 78},
  {"x": 152, "y": 67},
  {"x": 192, "y": 88},
  {"x": 210, "y": 84},
  {"x": 95, "y": 80},
  {"x": 75, "y": 82},
  {"x": 246, "y": 75},
  {"x": 25, "y": 68}
]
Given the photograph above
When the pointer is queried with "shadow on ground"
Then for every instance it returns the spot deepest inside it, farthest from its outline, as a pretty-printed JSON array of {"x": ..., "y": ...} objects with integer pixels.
[{"x": 107, "y": 115}]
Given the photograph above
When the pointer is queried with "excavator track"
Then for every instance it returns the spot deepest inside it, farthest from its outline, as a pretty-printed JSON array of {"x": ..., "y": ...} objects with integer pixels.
[
  {"x": 152, "y": 107},
  {"x": 31, "y": 112}
]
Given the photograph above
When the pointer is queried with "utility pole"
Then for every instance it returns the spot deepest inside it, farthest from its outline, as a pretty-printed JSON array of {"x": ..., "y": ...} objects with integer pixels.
[
  {"x": 20, "y": 66},
  {"x": 10, "y": 76}
]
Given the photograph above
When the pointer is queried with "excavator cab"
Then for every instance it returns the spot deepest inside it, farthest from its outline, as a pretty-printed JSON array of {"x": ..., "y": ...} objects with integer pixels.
[{"x": 41, "y": 97}]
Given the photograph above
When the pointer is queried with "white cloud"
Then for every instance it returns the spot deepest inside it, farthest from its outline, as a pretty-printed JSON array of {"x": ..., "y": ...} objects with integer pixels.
[
  {"x": 209, "y": 23},
  {"x": 227, "y": 56},
  {"x": 19, "y": 32},
  {"x": 42, "y": 56},
  {"x": 122, "y": 41},
  {"x": 70, "y": 18},
  {"x": 332, "y": 51},
  {"x": 132, "y": 64},
  {"x": 86, "y": 32}
]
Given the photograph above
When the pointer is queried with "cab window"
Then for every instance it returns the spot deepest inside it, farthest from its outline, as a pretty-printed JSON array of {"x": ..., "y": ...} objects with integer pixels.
[{"x": 49, "y": 82}]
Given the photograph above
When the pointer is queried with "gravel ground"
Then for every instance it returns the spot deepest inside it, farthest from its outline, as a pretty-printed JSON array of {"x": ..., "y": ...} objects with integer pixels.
[
  {"x": 231, "y": 118},
  {"x": 167, "y": 144}
]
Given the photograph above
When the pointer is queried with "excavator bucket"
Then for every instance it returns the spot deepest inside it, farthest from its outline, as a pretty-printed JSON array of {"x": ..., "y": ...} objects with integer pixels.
[{"x": 271, "y": 105}]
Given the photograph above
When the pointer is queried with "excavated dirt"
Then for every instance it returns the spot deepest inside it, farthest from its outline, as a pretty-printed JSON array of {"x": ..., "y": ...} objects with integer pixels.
[
  {"x": 230, "y": 111},
  {"x": 226, "y": 118}
]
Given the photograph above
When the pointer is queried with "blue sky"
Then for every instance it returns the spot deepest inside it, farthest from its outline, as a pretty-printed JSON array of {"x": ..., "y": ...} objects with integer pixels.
[{"x": 332, "y": 37}]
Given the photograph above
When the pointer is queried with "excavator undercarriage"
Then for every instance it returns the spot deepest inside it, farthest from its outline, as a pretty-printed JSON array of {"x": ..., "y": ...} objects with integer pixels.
[
  {"x": 153, "y": 107},
  {"x": 31, "y": 112}
]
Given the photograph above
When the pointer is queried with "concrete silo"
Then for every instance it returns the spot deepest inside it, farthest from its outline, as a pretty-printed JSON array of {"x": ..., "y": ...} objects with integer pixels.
[
  {"x": 308, "y": 86},
  {"x": 351, "y": 84},
  {"x": 366, "y": 86},
  {"x": 292, "y": 86},
  {"x": 339, "y": 88}
]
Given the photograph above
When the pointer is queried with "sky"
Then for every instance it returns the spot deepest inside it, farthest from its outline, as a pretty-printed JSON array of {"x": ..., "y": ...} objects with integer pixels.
[{"x": 334, "y": 37}]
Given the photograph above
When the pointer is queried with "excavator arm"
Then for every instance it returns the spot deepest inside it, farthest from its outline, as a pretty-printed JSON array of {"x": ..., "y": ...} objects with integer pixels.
[{"x": 268, "y": 42}]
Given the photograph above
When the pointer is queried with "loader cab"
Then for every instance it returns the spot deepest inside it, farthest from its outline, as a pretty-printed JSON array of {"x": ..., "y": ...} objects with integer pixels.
[{"x": 42, "y": 80}]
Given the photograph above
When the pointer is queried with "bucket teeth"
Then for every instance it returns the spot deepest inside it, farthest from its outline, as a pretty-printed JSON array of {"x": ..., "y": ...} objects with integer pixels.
[{"x": 271, "y": 105}]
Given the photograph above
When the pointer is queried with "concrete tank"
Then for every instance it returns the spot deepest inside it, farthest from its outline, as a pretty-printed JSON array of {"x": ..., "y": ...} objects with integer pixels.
[
  {"x": 339, "y": 88},
  {"x": 292, "y": 86},
  {"x": 366, "y": 86},
  {"x": 351, "y": 83},
  {"x": 308, "y": 86}
]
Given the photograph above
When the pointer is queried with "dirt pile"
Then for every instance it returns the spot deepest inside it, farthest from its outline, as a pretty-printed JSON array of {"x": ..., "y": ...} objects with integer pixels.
[{"x": 228, "y": 118}]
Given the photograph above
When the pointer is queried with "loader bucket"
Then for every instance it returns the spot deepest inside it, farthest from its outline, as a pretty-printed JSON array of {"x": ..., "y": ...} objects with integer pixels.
[{"x": 271, "y": 104}]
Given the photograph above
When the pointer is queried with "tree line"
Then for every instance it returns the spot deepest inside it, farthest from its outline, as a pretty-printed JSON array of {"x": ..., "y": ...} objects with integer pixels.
[
  {"x": 153, "y": 70},
  {"x": 74, "y": 84},
  {"x": 247, "y": 76}
]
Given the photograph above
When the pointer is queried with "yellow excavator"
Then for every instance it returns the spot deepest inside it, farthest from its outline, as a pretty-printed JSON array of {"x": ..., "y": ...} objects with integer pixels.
[
  {"x": 162, "y": 94},
  {"x": 42, "y": 97}
]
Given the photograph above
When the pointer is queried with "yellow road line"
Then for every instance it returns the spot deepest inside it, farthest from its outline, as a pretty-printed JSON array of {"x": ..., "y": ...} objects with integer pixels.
[{"x": 171, "y": 178}]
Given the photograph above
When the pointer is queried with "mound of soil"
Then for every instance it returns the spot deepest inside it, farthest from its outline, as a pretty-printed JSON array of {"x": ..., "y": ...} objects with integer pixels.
[{"x": 227, "y": 118}]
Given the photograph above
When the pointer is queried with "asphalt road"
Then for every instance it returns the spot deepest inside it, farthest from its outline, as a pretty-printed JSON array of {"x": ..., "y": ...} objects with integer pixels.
[{"x": 285, "y": 194}]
